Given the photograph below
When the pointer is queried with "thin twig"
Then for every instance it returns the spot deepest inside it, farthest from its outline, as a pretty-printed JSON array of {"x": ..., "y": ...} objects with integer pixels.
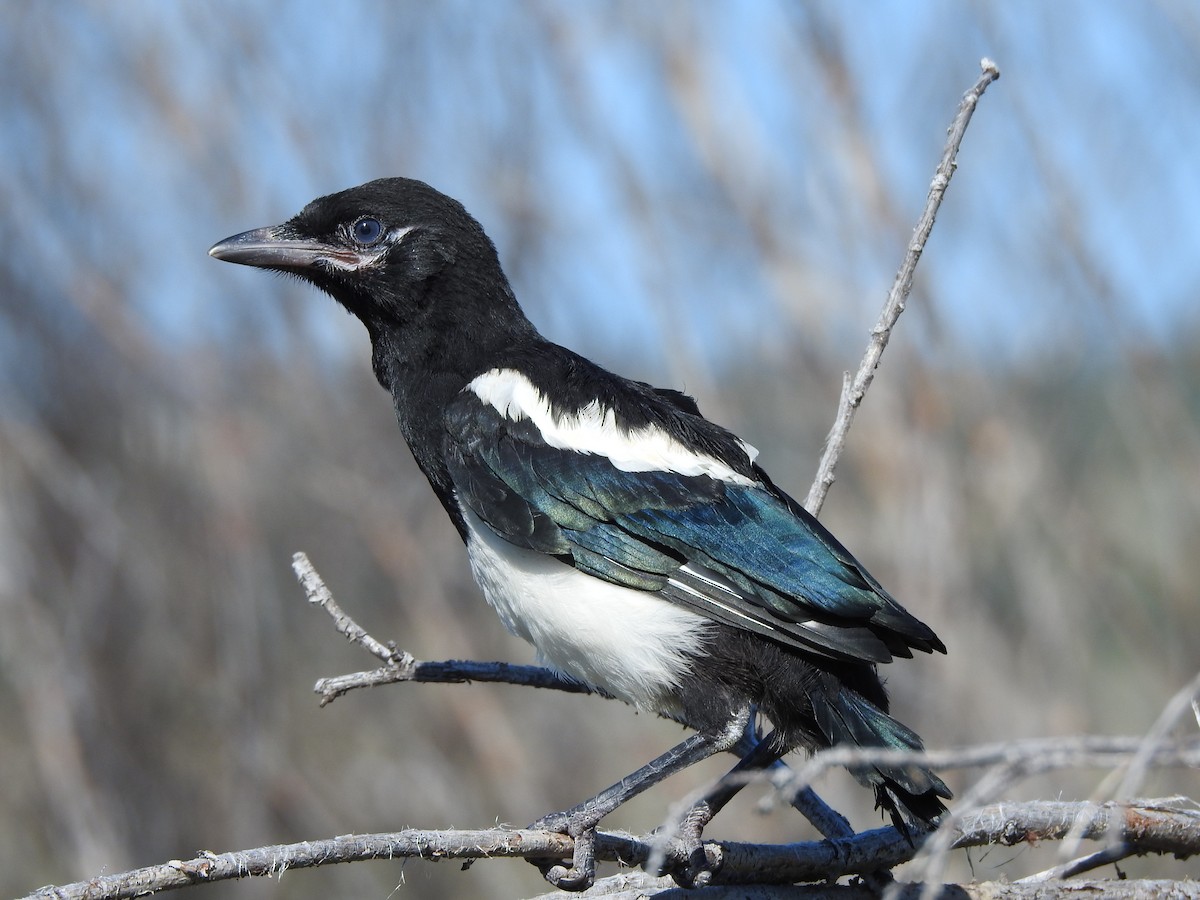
[
  {"x": 1130, "y": 777},
  {"x": 1105, "y": 857},
  {"x": 319, "y": 595},
  {"x": 1174, "y": 710},
  {"x": 854, "y": 390},
  {"x": 1033, "y": 756},
  {"x": 450, "y": 671},
  {"x": 1009, "y": 763}
]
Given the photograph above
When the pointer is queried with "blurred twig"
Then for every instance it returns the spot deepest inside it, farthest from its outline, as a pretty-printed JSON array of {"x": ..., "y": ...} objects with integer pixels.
[
  {"x": 1024, "y": 758},
  {"x": 1187, "y": 698},
  {"x": 1021, "y": 759},
  {"x": 854, "y": 390},
  {"x": 1131, "y": 776}
]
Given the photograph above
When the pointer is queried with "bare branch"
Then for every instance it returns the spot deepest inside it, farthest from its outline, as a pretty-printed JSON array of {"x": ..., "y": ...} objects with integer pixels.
[
  {"x": 854, "y": 390},
  {"x": 1148, "y": 828},
  {"x": 1105, "y": 857},
  {"x": 275, "y": 860},
  {"x": 1130, "y": 777},
  {"x": 319, "y": 595},
  {"x": 1175, "y": 709},
  {"x": 450, "y": 671},
  {"x": 640, "y": 886},
  {"x": 1028, "y": 757}
]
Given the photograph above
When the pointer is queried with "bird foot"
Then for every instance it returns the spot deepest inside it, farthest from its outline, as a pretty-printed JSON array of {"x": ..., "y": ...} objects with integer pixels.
[
  {"x": 683, "y": 854},
  {"x": 582, "y": 830}
]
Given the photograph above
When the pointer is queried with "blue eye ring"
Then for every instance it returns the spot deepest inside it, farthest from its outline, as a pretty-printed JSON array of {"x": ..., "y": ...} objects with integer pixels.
[{"x": 366, "y": 231}]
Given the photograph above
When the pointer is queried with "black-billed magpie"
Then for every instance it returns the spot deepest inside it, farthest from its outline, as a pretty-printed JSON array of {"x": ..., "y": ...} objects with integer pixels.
[{"x": 638, "y": 546}]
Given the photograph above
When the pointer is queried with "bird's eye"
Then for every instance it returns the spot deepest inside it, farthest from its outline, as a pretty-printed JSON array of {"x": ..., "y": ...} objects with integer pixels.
[{"x": 366, "y": 230}]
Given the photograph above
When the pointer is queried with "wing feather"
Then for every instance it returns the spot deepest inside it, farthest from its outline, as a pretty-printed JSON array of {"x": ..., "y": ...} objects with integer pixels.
[{"x": 739, "y": 552}]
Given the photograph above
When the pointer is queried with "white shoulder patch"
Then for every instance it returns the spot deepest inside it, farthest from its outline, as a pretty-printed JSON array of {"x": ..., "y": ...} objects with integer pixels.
[{"x": 594, "y": 429}]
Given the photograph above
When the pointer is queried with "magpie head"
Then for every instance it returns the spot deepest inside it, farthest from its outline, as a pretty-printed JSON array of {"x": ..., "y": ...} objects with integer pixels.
[{"x": 395, "y": 252}]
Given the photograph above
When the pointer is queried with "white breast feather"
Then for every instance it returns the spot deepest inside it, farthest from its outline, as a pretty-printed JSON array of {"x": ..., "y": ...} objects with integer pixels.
[
  {"x": 628, "y": 642},
  {"x": 594, "y": 430}
]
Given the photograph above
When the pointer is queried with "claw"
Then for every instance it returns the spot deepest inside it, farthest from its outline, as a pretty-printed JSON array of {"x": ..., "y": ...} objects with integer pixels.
[
  {"x": 686, "y": 861},
  {"x": 582, "y": 872},
  {"x": 580, "y": 821}
]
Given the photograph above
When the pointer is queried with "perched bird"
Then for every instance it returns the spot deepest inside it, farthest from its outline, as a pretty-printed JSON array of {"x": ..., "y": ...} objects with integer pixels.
[{"x": 638, "y": 546}]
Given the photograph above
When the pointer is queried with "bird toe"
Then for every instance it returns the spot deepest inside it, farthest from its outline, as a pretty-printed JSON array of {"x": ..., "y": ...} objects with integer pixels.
[
  {"x": 582, "y": 871},
  {"x": 684, "y": 857}
]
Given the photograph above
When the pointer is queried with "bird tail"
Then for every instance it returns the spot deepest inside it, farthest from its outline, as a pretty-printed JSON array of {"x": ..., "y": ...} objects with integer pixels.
[{"x": 912, "y": 795}]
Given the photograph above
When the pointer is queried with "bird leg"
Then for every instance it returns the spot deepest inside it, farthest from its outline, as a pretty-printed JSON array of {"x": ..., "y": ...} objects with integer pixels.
[
  {"x": 756, "y": 754},
  {"x": 580, "y": 821},
  {"x": 827, "y": 820},
  {"x": 686, "y": 842}
]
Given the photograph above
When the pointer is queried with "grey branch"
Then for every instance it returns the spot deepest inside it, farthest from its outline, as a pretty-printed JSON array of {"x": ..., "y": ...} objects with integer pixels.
[
  {"x": 449, "y": 671},
  {"x": 1145, "y": 826},
  {"x": 319, "y": 595},
  {"x": 853, "y": 390},
  {"x": 637, "y": 886}
]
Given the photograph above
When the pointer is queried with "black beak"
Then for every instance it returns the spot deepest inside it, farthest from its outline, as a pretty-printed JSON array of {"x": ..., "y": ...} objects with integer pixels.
[{"x": 273, "y": 248}]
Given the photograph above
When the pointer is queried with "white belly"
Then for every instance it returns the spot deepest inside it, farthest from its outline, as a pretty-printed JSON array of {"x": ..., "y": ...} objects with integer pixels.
[{"x": 628, "y": 642}]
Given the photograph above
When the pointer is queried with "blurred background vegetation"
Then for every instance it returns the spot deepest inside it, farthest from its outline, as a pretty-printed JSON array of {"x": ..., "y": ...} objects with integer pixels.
[{"x": 709, "y": 196}]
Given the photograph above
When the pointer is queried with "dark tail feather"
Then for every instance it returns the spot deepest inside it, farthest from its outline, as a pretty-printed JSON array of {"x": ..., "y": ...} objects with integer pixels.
[{"x": 912, "y": 795}]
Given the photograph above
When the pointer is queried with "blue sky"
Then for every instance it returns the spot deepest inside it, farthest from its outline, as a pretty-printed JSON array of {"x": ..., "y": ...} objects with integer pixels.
[{"x": 137, "y": 136}]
